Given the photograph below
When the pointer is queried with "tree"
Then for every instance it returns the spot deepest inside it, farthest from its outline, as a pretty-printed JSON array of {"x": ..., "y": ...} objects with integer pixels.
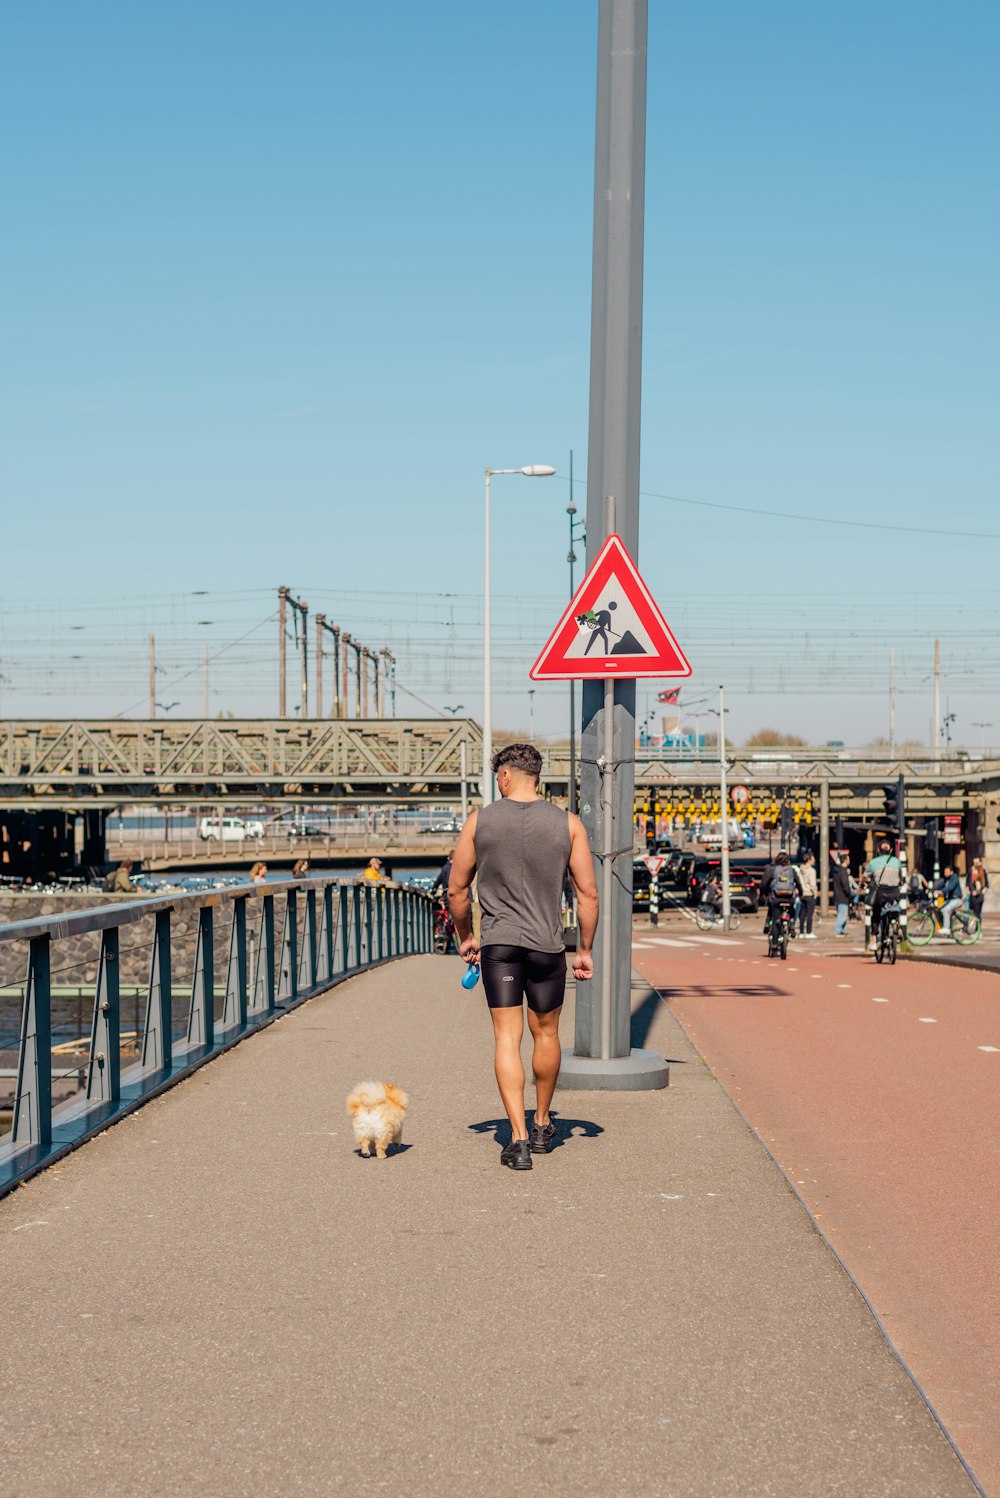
[{"x": 772, "y": 738}]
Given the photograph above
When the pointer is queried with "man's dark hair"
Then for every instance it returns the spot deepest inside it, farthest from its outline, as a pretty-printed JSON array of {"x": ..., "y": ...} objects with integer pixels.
[
  {"x": 884, "y": 847},
  {"x": 782, "y": 858},
  {"x": 523, "y": 757}
]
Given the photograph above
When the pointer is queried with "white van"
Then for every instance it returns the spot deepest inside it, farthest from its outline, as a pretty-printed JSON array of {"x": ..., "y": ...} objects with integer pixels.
[{"x": 234, "y": 829}]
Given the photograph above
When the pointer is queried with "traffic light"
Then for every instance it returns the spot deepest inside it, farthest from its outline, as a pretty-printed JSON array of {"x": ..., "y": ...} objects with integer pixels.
[
  {"x": 838, "y": 831},
  {"x": 893, "y": 808},
  {"x": 786, "y": 821},
  {"x": 932, "y": 835}
]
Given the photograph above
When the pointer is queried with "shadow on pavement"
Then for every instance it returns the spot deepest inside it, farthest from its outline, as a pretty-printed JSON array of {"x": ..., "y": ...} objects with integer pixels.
[{"x": 566, "y": 1128}]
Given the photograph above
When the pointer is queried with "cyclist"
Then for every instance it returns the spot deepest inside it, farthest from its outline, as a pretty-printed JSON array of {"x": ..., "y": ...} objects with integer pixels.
[
  {"x": 712, "y": 893},
  {"x": 884, "y": 875},
  {"x": 951, "y": 887},
  {"x": 780, "y": 887}
]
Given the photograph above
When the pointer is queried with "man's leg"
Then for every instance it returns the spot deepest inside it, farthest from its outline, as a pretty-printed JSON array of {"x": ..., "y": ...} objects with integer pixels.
[
  {"x": 946, "y": 911},
  {"x": 840, "y": 929},
  {"x": 508, "y": 1027},
  {"x": 545, "y": 1059}
]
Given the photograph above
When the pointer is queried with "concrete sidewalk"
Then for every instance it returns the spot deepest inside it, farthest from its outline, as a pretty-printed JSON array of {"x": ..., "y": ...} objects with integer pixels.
[{"x": 218, "y": 1296}]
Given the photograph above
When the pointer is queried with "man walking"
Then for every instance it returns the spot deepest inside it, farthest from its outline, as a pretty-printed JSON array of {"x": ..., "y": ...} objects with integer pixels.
[{"x": 519, "y": 850}]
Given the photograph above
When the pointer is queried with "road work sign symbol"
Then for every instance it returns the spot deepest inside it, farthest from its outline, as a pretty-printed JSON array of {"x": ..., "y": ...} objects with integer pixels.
[{"x": 611, "y": 628}]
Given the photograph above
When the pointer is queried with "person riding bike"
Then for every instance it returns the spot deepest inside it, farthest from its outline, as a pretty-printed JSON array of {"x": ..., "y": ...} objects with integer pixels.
[
  {"x": 885, "y": 873},
  {"x": 779, "y": 887},
  {"x": 712, "y": 893}
]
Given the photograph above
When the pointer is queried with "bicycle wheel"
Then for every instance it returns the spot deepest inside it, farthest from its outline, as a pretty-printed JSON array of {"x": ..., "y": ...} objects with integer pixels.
[
  {"x": 892, "y": 943},
  {"x": 704, "y": 918},
  {"x": 965, "y": 927},
  {"x": 920, "y": 927},
  {"x": 734, "y": 921},
  {"x": 879, "y": 948}
]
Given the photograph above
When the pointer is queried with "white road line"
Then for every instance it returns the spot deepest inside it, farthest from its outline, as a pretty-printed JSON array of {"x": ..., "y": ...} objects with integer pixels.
[
  {"x": 994, "y": 1048},
  {"x": 668, "y": 941},
  {"x": 923, "y": 1020},
  {"x": 718, "y": 941},
  {"x": 843, "y": 985},
  {"x": 880, "y": 1001}
]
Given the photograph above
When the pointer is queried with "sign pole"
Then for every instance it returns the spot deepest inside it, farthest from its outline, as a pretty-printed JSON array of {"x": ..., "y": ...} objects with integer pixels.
[
  {"x": 724, "y": 809},
  {"x": 607, "y": 865}
]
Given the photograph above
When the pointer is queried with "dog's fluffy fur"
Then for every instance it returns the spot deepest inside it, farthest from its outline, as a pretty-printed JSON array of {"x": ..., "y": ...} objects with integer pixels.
[{"x": 378, "y": 1110}]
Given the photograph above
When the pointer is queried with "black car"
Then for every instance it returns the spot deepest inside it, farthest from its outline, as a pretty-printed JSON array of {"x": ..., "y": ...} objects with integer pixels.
[
  {"x": 744, "y": 886},
  {"x": 682, "y": 870}
]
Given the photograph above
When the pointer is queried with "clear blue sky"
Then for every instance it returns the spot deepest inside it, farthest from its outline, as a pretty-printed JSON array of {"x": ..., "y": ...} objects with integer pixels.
[{"x": 276, "y": 282}]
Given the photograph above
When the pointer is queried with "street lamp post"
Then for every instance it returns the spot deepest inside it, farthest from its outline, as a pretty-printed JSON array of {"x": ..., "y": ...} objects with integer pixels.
[{"x": 532, "y": 471}]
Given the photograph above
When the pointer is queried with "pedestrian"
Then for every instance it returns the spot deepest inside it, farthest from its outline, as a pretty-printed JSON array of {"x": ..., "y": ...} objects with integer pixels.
[
  {"x": 950, "y": 886},
  {"x": 518, "y": 850},
  {"x": 300, "y": 868},
  {"x": 810, "y": 891},
  {"x": 122, "y": 882},
  {"x": 979, "y": 883},
  {"x": 258, "y": 874},
  {"x": 373, "y": 872},
  {"x": 840, "y": 889}
]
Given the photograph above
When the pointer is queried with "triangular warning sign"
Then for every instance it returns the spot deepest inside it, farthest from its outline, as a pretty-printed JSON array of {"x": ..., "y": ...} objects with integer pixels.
[{"x": 611, "y": 628}]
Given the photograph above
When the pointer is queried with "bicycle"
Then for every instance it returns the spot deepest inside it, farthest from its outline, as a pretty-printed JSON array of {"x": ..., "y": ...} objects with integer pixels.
[
  {"x": 925, "y": 921},
  {"x": 444, "y": 928},
  {"x": 779, "y": 931},
  {"x": 887, "y": 936},
  {"x": 708, "y": 916}
]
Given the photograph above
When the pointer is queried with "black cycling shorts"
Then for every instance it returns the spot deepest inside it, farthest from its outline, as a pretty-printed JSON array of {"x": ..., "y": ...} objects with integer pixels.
[{"x": 511, "y": 974}]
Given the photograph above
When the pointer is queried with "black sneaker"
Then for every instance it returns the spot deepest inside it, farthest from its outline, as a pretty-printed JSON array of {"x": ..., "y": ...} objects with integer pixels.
[
  {"x": 542, "y": 1138},
  {"x": 517, "y": 1155}
]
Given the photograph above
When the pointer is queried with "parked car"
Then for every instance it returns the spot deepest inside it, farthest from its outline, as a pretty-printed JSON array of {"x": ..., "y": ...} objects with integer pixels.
[
  {"x": 232, "y": 829},
  {"x": 440, "y": 828},
  {"x": 744, "y": 886}
]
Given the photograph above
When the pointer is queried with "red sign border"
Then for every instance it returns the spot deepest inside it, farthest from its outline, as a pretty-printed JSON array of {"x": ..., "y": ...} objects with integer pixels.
[{"x": 613, "y": 551}]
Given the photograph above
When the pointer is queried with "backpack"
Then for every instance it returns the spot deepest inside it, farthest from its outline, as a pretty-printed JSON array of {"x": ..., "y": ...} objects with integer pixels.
[
  {"x": 783, "y": 882},
  {"x": 108, "y": 884}
]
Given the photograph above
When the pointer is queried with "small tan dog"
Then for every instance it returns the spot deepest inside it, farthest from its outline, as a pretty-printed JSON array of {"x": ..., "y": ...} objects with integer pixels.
[{"x": 378, "y": 1110}]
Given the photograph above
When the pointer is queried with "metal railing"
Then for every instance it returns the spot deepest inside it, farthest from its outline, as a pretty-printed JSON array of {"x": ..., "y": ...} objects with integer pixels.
[{"x": 329, "y": 929}]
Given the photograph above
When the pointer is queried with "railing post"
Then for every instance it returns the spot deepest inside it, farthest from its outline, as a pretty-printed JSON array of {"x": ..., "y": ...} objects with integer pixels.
[
  {"x": 263, "y": 981},
  {"x": 288, "y": 982},
  {"x": 235, "y": 1012},
  {"x": 344, "y": 928},
  {"x": 356, "y": 917},
  {"x": 32, "y": 1121},
  {"x": 201, "y": 1015},
  {"x": 398, "y": 920},
  {"x": 157, "y": 1036},
  {"x": 308, "y": 945},
  {"x": 367, "y": 923},
  {"x": 104, "y": 1071},
  {"x": 325, "y": 936}
]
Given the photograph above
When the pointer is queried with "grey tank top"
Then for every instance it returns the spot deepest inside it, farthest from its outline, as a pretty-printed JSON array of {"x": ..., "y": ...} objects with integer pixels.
[{"x": 522, "y": 852}]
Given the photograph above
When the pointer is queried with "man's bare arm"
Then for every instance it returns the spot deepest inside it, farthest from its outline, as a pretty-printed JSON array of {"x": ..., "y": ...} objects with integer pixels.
[
  {"x": 463, "y": 871},
  {"x": 581, "y": 871}
]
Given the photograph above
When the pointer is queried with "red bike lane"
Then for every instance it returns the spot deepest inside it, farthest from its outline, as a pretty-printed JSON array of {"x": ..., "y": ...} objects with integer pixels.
[{"x": 877, "y": 1090}]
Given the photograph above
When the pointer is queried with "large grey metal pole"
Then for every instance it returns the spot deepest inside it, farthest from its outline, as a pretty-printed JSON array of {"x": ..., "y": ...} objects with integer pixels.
[
  {"x": 613, "y": 468},
  {"x": 727, "y": 904},
  {"x": 824, "y": 846}
]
